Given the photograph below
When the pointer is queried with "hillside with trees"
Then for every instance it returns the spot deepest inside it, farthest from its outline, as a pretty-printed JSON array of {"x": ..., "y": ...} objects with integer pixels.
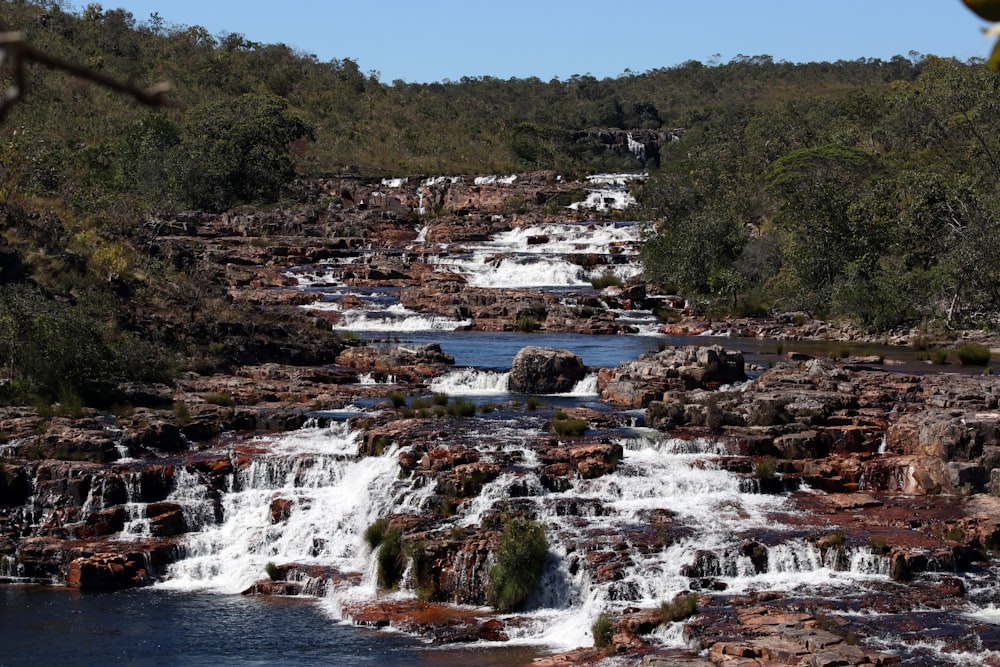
[{"x": 862, "y": 189}]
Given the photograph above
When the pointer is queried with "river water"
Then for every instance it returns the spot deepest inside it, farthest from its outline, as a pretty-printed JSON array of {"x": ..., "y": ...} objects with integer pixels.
[{"x": 196, "y": 615}]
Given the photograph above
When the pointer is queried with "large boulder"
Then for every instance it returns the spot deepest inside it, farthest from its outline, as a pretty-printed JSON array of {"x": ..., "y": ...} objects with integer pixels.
[
  {"x": 636, "y": 383},
  {"x": 545, "y": 370}
]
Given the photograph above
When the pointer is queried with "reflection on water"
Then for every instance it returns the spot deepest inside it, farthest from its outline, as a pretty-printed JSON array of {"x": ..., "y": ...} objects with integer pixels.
[{"x": 56, "y": 626}]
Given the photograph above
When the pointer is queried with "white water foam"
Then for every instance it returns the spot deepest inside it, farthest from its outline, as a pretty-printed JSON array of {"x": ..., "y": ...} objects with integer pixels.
[
  {"x": 587, "y": 387},
  {"x": 396, "y": 318},
  {"x": 471, "y": 382},
  {"x": 334, "y": 495},
  {"x": 513, "y": 271}
]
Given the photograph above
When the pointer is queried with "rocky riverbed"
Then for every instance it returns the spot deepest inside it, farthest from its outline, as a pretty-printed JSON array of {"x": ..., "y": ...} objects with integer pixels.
[{"x": 885, "y": 481}]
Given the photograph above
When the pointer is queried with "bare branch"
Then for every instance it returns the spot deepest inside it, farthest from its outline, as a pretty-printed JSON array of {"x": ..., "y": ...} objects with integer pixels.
[{"x": 14, "y": 46}]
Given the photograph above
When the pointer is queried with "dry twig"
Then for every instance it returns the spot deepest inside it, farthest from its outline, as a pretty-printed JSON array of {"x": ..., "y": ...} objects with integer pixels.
[{"x": 14, "y": 46}]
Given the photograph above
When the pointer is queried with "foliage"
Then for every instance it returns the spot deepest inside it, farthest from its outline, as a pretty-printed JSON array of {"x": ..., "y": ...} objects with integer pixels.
[
  {"x": 568, "y": 426},
  {"x": 236, "y": 151},
  {"x": 460, "y": 407},
  {"x": 50, "y": 349},
  {"x": 221, "y": 398},
  {"x": 527, "y": 323},
  {"x": 182, "y": 414},
  {"x": 603, "y": 631},
  {"x": 765, "y": 468},
  {"x": 518, "y": 564},
  {"x": 606, "y": 280},
  {"x": 390, "y": 560},
  {"x": 972, "y": 354},
  {"x": 878, "y": 206},
  {"x": 375, "y": 532},
  {"x": 681, "y": 607},
  {"x": 272, "y": 571}
]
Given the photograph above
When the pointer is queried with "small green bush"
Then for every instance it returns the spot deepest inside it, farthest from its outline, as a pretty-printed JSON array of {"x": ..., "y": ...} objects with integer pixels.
[
  {"x": 974, "y": 355},
  {"x": 527, "y": 324},
  {"x": 532, "y": 403},
  {"x": 439, "y": 398},
  {"x": 398, "y": 399},
  {"x": 486, "y": 408},
  {"x": 182, "y": 414},
  {"x": 603, "y": 631},
  {"x": 954, "y": 535},
  {"x": 423, "y": 570},
  {"x": 570, "y": 427},
  {"x": 390, "y": 562},
  {"x": 879, "y": 545},
  {"x": 765, "y": 468},
  {"x": 606, "y": 280},
  {"x": 375, "y": 532},
  {"x": 939, "y": 357},
  {"x": 460, "y": 407},
  {"x": 518, "y": 564},
  {"x": 221, "y": 398},
  {"x": 420, "y": 403},
  {"x": 380, "y": 444},
  {"x": 272, "y": 571},
  {"x": 681, "y": 607}
]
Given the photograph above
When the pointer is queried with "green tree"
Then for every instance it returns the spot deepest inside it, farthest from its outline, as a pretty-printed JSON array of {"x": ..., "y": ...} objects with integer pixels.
[
  {"x": 143, "y": 154},
  {"x": 236, "y": 151}
]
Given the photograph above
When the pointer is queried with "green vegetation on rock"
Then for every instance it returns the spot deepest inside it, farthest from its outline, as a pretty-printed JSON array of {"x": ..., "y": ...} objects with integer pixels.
[{"x": 518, "y": 563}]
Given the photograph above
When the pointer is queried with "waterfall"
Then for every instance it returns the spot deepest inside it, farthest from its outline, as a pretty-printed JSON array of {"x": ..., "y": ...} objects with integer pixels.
[
  {"x": 308, "y": 501},
  {"x": 471, "y": 381},
  {"x": 308, "y": 498}
]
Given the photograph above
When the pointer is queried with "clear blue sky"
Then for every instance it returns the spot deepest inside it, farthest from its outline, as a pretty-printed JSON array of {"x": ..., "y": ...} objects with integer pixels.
[{"x": 434, "y": 40}]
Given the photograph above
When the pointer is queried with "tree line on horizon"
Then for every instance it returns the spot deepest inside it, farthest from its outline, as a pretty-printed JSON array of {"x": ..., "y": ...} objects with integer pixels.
[{"x": 863, "y": 189}]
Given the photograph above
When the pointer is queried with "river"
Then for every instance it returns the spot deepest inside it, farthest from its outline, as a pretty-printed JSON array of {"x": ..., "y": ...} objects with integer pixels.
[{"x": 196, "y": 615}]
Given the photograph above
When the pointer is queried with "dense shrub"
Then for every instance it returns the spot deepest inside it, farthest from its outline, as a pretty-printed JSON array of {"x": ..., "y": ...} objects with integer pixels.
[
  {"x": 221, "y": 398},
  {"x": 461, "y": 407},
  {"x": 974, "y": 355},
  {"x": 518, "y": 564},
  {"x": 681, "y": 607},
  {"x": 765, "y": 468},
  {"x": 375, "y": 532},
  {"x": 606, "y": 280},
  {"x": 570, "y": 426},
  {"x": 390, "y": 562},
  {"x": 398, "y": 399},
  {"x": 603, "y": 631}
]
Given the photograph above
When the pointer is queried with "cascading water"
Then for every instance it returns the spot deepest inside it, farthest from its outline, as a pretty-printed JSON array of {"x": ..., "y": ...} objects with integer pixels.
[
  {"x": 544, "y": 256},
  {"x": 330, "y": 495},
  {"x": 472, "y": 381}
]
